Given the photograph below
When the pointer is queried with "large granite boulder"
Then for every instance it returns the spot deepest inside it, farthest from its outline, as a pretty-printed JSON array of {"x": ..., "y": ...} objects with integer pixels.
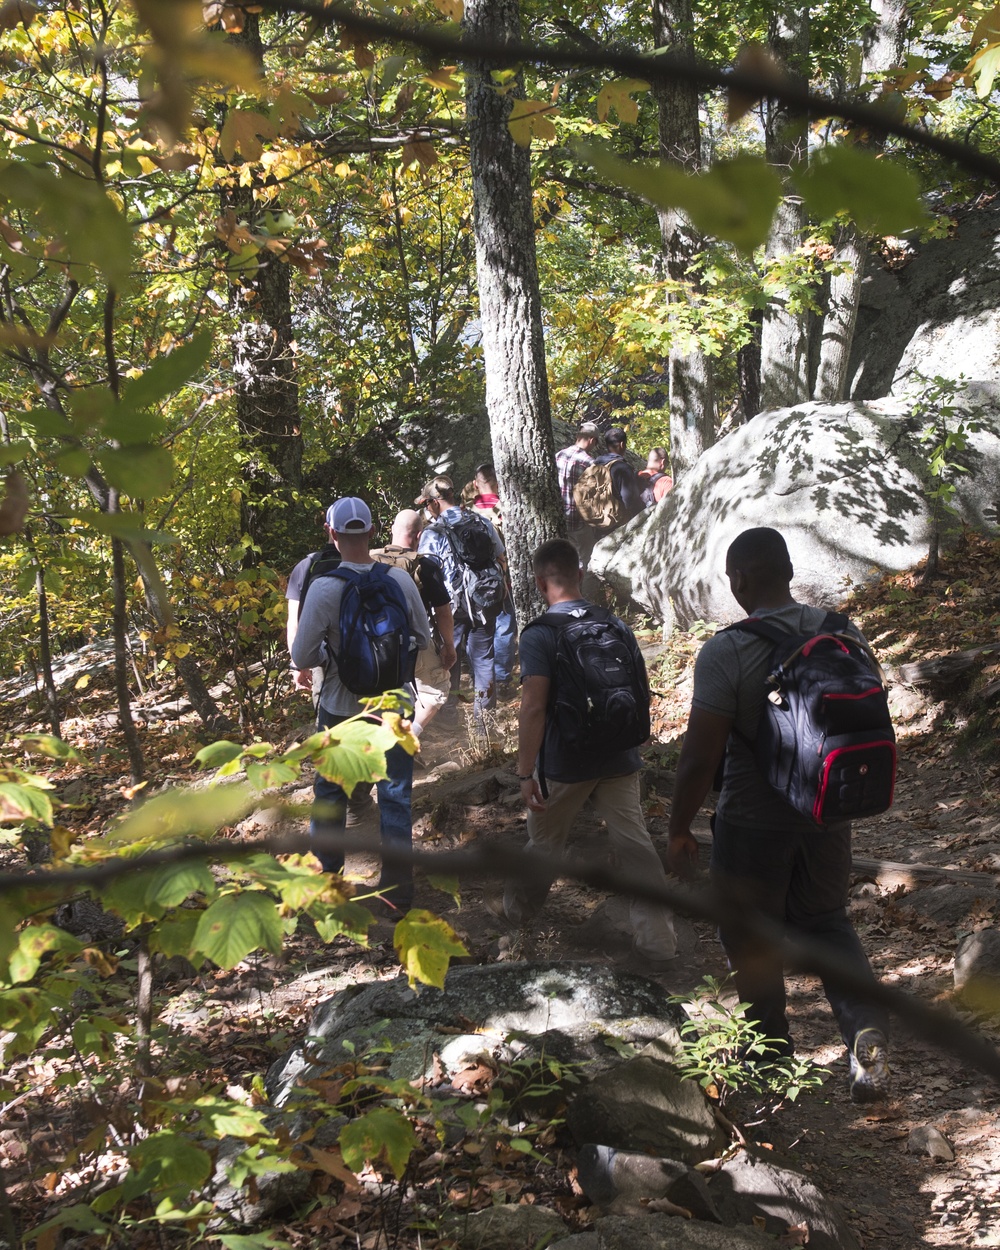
[
  {"x": 574, "y": 1013},
  {"x": 935, "y": 311},
  {"x": 842, "y": 482}
]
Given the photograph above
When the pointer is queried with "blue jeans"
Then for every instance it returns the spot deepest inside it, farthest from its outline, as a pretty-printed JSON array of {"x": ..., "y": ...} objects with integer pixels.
[
  {"x": 477, "y": 645},
  {"x": 395, "y": 825},
  {"x": 798, "y": 880},
  {"x": 505, "y": 641}
]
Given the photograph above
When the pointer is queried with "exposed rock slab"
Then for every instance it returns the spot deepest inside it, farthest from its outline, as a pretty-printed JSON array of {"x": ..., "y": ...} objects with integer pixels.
[
  {"x": 645, "y": 1105},
  {"x": 977, "y": 971},
  {"x": 660, "y": 1232},
  {"x": 842, "y": 482},
  {"x": 566, "y": 1010}
]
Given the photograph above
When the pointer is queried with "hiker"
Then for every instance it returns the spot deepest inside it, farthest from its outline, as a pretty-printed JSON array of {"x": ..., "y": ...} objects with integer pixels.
[
  {"x": 571, "y": 463},
  {"x": 766, "y": 854},
  {"x": 433, "y": 671},
  {"x": 316, "y": 562},
  {"x": 471, "y": 552},
  {"x": 584, "y": 713},
  {"x": 486, "y": 502},
  {"x": 654, "y": 479},
  {"x": 328, "y": 634},
  {"x": 625, "y": 488}
]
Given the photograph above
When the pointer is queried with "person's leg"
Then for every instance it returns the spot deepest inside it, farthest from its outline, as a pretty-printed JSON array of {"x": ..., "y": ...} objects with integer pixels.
[
  {"x": 505, "y": 642},
  {"x": 548, "y": 831},
  {"x": 329, "y": 813},
  {"x": 752, "y": 869},
  {"x": 396, "y": 826},
  {"x": 616, "y": 800},
  {"x": 479, "y": 647},
  {"x": 433, "y": 684},
  {"x": 817, "y": 908}
]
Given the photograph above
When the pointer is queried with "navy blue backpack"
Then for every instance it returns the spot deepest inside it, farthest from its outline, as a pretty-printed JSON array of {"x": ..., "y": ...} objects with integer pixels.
[{"x": 377, "y": 651}]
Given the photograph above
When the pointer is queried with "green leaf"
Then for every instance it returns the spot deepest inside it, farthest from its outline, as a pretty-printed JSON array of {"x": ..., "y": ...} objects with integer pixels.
[
  {"x": 178, "y": 1163},
  {"x": 447, "y": 885},
  {"x": 53, "y": 747},
  {"x": 218, "y": 753},
  {"x": 34, "y": 943},
  {"x": 19, "y": 803},
  {"x": 176, "y": 935},
  {"x": 78, "y": 1217},
  {"x": 425, "y": 945},
  {"x": 182, "y": 813},
  {"x": 879, "y": 194},
  {"x": 169, "y": 373},
  {"x": 350, "y": 919},
  {"x": 734, "y": 200},
  {"x": 46, "y": 422},
  {"x": 266, "y": 776},
  {"x": 382, "y": 1133},
  {"x": 140, "y": 471},
  {"x": 171, "y": 884},
  {"x": 77, "y": 210},
  {"x": 237, "y": 924},
  {"x": 73, "y": 463},
  {"x": 11, "y": 453},
  {"x": 358, "y": 753}
]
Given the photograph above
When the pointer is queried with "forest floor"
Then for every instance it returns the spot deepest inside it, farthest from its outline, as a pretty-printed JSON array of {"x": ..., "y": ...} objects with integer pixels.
[{"x": 925, "y": 875}]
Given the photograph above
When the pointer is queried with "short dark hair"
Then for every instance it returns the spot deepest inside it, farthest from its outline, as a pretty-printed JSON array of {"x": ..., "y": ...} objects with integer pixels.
[
  {"x": 615, "y": 437},
  {"x": 659, "y": 452},
  {"x": 760, "y": 553},
  {"x": 487, "y": 471},
  {"x": 558, "y": 559}
]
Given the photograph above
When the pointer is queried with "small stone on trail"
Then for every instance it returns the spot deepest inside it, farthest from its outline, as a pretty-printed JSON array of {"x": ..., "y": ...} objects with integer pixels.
[{"x": 928, "y": 1140}]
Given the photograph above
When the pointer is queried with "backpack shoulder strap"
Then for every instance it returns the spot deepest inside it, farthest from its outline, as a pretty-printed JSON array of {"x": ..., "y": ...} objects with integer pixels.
[{"x": 763, "y": 629}]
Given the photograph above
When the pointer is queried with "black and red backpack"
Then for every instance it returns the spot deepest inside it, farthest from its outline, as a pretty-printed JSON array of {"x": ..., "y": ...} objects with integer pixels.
[{"x": 825, "y": 741}]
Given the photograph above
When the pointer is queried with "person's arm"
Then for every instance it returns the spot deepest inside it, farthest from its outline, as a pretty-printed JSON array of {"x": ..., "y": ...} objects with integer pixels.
[
  {"x": 630, "y": 488},
  {"x": 701, "y": 754},
  {"x": 444, "y": 619},
  {"x": 530, "y": 733},
  {"x": 303, "y": 677}
]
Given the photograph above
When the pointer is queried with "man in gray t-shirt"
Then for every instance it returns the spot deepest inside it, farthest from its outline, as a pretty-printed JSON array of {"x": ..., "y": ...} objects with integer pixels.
[{"x": 766, "y": 855}]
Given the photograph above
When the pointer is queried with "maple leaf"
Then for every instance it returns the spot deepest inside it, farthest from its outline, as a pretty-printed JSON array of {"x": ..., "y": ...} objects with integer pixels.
[
  {"x": 618, "y": 96},
  {"x": 531, "y": 119},
  {"x": 242, "y": 132}
]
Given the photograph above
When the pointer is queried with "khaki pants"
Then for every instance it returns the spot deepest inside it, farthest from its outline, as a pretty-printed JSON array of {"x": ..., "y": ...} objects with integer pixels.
[{"x": 616, "y": 801}]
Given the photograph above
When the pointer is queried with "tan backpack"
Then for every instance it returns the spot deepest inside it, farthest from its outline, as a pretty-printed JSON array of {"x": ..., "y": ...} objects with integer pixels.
[
  {"x": 596, "y": 499},
  {"x": 399, "y": 558}
]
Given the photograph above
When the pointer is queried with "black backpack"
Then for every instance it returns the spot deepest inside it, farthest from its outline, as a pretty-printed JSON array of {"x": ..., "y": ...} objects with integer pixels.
[
  {"x": 322, "y": 563},
  {"x": 648, "y": 494},
  {"x": 825, "y": 741},
  {"x": 482, "y": 589},
  {"x": 376, "y": 648},
  {"x": 600, "y": 694}
]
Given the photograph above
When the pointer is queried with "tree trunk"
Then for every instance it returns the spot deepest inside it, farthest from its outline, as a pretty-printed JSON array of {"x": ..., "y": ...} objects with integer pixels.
[
  {"x": 517, "y": 395},
  {"x": 119, "y": 624},
  {"x": 883, "y": 48},
  {"x": 784, "y": 343},
  {"x": 267, "y": 394},
  {"x": 691, "y": 382}
]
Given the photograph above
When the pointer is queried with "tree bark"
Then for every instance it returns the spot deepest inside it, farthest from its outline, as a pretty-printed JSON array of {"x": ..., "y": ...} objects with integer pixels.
[
  {"x": 119, "y": 626},
  {"x": 267, "y": 393},
  {"x": 883, "y": 47},
  {"x": 784, "y": 343},
  {"x": 517, "y": 395},
  {"x": 690, "y": 373}
]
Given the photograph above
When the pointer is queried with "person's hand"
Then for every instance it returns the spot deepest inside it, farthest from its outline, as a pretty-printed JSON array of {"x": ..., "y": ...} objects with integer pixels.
[
  {"x": 682, "y": 854},
  {"x": 531, "y": 792},
  {"x": 447, "y": 655},
  {"x": 303, "y": 679}
]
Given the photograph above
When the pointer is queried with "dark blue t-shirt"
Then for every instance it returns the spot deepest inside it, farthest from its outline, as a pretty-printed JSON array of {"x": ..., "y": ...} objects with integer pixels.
[{"x": 538, "y": 659}]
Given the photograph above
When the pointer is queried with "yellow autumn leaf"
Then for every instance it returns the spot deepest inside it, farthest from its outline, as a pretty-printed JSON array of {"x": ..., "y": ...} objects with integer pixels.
[
  {"x": 617, "y": 95},
  {"x": 242, "y": 132},
  {"x": 532, "y": 119},
  {"x": 82, "y": 683},
  {"x": 444, "y": 78},
  {"x": 453, "y": 10}
]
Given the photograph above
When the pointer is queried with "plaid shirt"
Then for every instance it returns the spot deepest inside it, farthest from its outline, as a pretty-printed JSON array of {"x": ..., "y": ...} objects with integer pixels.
[{"x": 570, "y": 465}]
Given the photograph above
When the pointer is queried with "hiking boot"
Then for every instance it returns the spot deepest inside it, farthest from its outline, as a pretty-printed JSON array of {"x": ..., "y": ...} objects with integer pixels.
[{"x": 870, "y": 1079}]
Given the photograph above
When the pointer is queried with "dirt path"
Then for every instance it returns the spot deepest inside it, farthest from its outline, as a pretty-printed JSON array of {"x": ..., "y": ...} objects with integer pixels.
[{"x": 945, "y": 818}]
